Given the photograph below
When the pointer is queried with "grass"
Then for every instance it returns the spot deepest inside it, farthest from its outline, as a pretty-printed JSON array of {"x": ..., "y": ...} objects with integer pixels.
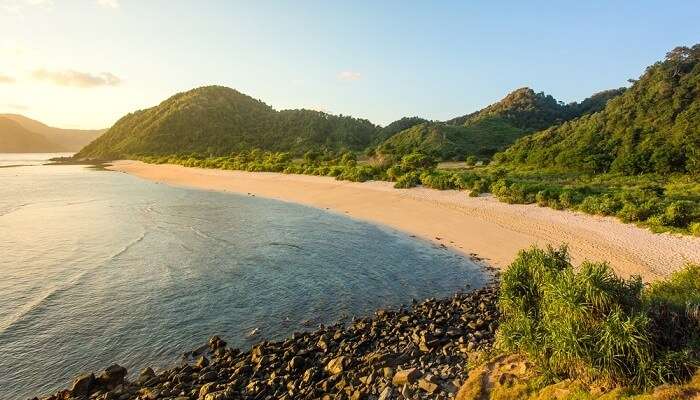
[{"x": 589, "y": 324}]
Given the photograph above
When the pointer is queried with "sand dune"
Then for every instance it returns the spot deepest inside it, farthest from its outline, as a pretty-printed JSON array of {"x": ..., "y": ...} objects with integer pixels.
[{"x": 483, "y": 226}]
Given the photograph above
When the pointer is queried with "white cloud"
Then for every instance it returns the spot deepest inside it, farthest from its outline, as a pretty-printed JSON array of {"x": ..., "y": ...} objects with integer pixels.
[
  {"x": 7, "y": 79},
  {"x": 15, "y": 7},
  {"x": 108, "y": 3},
  {"x": 349, "y": 76},
  {"x": 76, "y": 78},
  {"x": 14, "y": 106}
]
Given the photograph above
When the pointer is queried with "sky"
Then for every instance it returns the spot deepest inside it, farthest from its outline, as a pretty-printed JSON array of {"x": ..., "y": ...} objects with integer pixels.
[{"x": 86, "y": 63}]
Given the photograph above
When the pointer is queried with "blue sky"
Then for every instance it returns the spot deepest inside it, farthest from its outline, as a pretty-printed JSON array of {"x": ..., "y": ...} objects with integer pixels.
[{"x": 85, "y": 63}]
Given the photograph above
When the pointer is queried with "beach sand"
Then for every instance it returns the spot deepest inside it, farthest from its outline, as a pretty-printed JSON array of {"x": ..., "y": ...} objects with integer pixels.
[{"x": 480, "y": 226}]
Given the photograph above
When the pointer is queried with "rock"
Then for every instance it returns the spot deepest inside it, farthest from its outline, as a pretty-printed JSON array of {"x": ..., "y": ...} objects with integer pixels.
[
  {"x": 112, "y": 376},
  {"x": 206, "y": 389},
  {"x": 386, "y": 393},
  {"x": 82, "y": 385},
  {"x": 295, "y": 363},
  {"x": 337, "y": 365},
  {"x": 215, "y": 343},
  {"x": 201, "y": 362},
  {"x": 428, "y": 383},
  {"x": 429, "y": 343},
  {"x": 220, "y": 395},
  {"x": 146, "y": 374},
  {"x": 209, "y": 377},
  {"x": 405, "y": 376}
]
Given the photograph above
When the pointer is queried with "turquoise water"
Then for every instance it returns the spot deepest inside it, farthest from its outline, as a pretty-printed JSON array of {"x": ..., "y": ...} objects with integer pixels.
[{"x": 100, "y": 267}]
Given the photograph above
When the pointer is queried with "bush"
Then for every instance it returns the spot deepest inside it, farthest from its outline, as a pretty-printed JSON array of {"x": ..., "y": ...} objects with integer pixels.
[
  {"x": 464, "y": 180},
  {"x": 417, "y": 161},
  {"x": 586, "y": 323},
  {"x": 408, "y": 180},
  {"x": 438, "y": 180},
  {"x": 631, "y": 212},
  {"x": 359, "y": 173},
  {"x": 470, "y": 160},
  {"x": 602, "y": 205},
  {"x": 694, "y": 228},
  {"x": 480, "y": 186},
  {"x": 394, "y": 172},
  {"x": 547, "y": 198},
  {"x": 679, "y": 213}
]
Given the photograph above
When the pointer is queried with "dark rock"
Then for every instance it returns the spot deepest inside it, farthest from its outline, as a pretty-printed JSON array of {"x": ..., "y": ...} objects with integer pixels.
[{"x": 82, "y": 385}]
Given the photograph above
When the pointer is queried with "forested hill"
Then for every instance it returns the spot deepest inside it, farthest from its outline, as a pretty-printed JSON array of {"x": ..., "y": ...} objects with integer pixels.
[
  {"x": 653, "y": 127},
  {"x": 216, "y": 120},
  {"x": 491, "y": 129}
]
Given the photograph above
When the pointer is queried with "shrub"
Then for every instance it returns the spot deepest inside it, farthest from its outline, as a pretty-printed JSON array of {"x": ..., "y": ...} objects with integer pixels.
[
  {"x": 335, "y": 170},
  {"x": 547, "y": 197},
  {"x": 480, "y": 186},
  {"x": 694, "y": 228},
  {"x": 631, "y": 212},
  {"x": 394, "y": 172},
  {"x": 586, "y": 323},
  {"x": 408, "y": 180},
  {"x": 464, "y": 180},
  {"x": 470, "y": 160},
  {"x": 438, "y": 180},
  {"x": 417, "y": 161},
  {"x": 602, "y": 204},
  {"x": 570, "y": 198},
  {"x": 678, "y": 213}
]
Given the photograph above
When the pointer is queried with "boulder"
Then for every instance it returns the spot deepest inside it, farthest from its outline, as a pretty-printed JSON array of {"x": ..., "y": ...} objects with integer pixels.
[
  {"x": 337, "y": 365},
  {"x": 82, "y": 385},
  {"x": 405, "y": 376},
  {"x": 112, "y": 376}
]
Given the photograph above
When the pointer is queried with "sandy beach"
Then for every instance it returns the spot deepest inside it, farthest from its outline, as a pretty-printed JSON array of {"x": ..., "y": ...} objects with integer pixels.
[{"x": 480, "y": 226}]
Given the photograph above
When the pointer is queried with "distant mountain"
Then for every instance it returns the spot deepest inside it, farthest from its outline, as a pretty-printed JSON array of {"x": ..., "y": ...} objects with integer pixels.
[
  {"x": 14, "y": 138},
  {"x": 493, "y": 128},
  {"x": 654, "y": 126},
  {"x": 70, "y": 140},
  {"x": 216, "y": 120}
]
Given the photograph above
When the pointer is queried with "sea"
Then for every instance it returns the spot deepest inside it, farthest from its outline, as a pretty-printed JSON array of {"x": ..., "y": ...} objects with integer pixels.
[{"x": 99, "y": 267}]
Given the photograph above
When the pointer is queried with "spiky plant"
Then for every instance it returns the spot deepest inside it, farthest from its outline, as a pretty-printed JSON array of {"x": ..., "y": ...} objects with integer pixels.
[{"x": 586, "y": 323}]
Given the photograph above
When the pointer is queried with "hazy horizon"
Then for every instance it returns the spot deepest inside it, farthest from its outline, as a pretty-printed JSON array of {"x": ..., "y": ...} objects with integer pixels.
[{"x": 84, "y": 64}]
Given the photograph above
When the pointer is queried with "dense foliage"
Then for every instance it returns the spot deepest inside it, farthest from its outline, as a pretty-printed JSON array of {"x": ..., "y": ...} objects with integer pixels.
[
  {"x": 588, "y": 323},
  {"x": 654, "y": 127},
  {"x": 492, "y": 129},
  {"x": 216, "y": 120},
  {"x": 398, "y": 126}
]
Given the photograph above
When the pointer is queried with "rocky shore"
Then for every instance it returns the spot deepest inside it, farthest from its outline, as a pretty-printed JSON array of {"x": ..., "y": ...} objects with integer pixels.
[{"x": 417, "y": 352}]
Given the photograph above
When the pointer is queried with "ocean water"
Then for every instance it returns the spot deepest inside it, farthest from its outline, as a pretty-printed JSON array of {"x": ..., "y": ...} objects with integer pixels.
[{"x": 99, "y": 267}]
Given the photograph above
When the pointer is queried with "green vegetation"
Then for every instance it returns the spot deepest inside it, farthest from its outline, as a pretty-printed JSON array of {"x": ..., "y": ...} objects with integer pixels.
[
  {"x": 633, "y": 154},
  {"x": 217, "y": 121},
  {"x": 483, "y": 133},
  {"x": 654, "y": 127},
  {"x": 589, "y": 324},
  {"x": 659, "y": 202}
]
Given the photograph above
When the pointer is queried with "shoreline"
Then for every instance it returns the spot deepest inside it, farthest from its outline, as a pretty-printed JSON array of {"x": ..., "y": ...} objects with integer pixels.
[
  {"x": 419, "y": 352},
  {"x": 481, "y": 228}
]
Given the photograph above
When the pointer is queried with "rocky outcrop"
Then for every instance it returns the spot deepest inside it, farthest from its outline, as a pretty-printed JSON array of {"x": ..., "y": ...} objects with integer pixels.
[{"x": 419, "y": 352}]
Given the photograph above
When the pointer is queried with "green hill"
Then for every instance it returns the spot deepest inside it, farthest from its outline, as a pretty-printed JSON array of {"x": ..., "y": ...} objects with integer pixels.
[
  {"x": 398, "y": 126},
  {"x": 653, "y": 127},
  {"x": 491, "y": 129},
  {"x": 14, "y": 138},
  {"x": 216, "y": 120}
]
